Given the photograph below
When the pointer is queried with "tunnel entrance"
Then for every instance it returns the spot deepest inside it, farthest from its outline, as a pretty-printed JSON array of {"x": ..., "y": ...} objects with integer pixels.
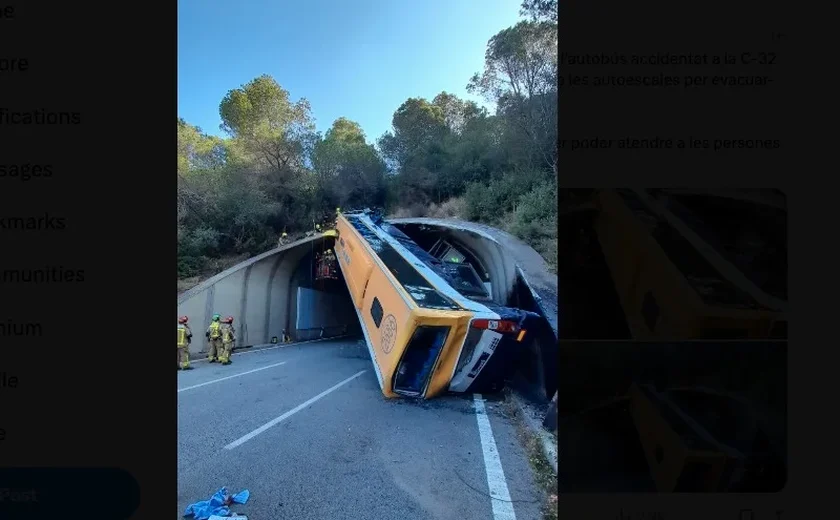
[
  {"x": 318, "y": 300},
  {"x": 534, "y": 374}
]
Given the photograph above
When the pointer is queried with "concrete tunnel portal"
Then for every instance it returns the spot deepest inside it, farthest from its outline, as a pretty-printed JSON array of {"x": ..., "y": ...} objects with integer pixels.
[{"x": 278, "y": 290}]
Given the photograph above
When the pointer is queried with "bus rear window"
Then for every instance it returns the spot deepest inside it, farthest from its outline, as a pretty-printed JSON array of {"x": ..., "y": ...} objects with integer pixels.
[{"x": 419, "y": 359}]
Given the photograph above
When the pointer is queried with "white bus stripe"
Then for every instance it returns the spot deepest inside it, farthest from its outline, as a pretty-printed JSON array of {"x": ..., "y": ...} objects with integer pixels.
[{"x": 499, "y": 494}]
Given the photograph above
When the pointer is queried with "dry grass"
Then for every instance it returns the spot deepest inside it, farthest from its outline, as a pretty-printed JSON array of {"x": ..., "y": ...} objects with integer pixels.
[
  {"x": 547, "y": 248},
  {"x": 186, "y": 284},
  {"x": 544, "y": 475},
  {"x": 452, "y": 208},
  {"x": 413, "y": 210}
]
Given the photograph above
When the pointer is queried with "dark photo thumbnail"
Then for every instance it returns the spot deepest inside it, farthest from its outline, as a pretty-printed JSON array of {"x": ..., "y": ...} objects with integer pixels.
[
  {"x": 672, "y": 417},
  {"x": 669, "y": 264}
]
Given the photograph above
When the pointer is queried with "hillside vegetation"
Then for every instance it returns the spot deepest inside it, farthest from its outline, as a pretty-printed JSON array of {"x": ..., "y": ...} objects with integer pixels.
[{"x": 448, "y": 157}]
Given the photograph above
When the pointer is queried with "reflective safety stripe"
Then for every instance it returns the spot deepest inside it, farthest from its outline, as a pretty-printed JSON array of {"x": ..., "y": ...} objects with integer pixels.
[
  {"x": 227, "y": 335},
  {"x": 182, "y": 336}
]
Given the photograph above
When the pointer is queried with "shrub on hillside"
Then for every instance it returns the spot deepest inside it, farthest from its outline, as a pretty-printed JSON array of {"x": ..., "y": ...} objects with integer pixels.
[
  {"x": 189, "y": 266},
  {"x": 202, "y": 241},
  {"x": 194, "y": 248},
  {"x": 490, "y": 202},
  {"x": 535, "y": 217}
]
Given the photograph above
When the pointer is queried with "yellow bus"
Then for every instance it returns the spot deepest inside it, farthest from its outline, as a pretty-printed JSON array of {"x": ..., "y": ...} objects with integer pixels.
[{"x": 424, "y": 336}]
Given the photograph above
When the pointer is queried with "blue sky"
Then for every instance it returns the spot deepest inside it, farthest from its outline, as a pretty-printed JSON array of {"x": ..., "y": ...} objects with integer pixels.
[{"x": 358, "y": 59}]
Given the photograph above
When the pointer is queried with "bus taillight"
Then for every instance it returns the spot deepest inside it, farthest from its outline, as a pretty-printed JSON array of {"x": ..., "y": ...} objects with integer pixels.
[{"x": 502, "y": 326}]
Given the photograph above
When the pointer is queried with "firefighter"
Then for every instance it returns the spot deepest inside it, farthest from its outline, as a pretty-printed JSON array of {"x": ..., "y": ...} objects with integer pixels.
[
  {"x": 286, "y": 338},
  {"x": 228, "y": 336},
  {"x": 329, "y": 264},
  {"x": 184, "y": 340},
  {"x": 215, "y": 336},
  {"x": 283, "y": 239}
]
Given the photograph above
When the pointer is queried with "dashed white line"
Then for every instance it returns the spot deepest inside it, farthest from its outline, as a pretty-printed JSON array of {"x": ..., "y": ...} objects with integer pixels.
[
  {"x": 499, "y": 494},
  {"x": 230, "y": 377},
  {"x": 247, "y": 437}
]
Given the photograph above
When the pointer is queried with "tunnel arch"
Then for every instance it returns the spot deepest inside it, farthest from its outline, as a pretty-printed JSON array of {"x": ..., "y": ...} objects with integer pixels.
[{"x": 260, "y": 294}]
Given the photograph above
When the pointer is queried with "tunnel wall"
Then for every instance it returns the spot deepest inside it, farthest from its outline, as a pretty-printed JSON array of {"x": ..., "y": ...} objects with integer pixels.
[{"x": 255, "y": 292}]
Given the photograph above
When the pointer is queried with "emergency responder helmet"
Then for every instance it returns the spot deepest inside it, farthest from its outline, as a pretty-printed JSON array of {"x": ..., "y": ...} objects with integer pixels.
[
  {"x": 229, "y": 319},
  {"x": 284, "y": 235},
  {"x": 217, "y": 317},
  {"x": 183, "y": 319}
]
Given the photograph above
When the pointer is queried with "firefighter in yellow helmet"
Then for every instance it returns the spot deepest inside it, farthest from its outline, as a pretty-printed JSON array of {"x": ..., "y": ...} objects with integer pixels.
[
  {"x": 184, "y": 340},
  {"x": 283, "y": 238},
  {"x": 228, "y": 338},
  {"x": 214, "y": 334}
]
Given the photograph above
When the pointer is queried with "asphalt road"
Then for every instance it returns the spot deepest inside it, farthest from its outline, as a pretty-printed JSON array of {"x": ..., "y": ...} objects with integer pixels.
[{"x": 350, "y": 454}]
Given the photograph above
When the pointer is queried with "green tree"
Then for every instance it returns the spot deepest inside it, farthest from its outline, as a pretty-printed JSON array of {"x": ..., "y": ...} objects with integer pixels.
[
  {"x": 520, "y": 76},
  {"x": 261, "y": 116},
  {"x": 197, "y": 150},
  {"x": 539, "y": 10},
  {"x": 457, "y": 113},
  {"x": 273, "y": 138},
  {"x": 350, "y": 172},
  {"x": 417, "y": 126}
]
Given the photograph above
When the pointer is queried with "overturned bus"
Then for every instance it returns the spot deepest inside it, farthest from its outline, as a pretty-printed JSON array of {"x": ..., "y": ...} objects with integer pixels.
[{"x": 429, "y": 322}]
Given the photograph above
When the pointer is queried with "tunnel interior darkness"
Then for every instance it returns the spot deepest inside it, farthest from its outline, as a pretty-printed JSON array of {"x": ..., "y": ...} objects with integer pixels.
[{"x": 319, "y": 308}]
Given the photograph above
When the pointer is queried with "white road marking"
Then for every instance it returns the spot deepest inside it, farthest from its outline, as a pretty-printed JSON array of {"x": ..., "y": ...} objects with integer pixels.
[
  {"x": 247, "y": 437},
  {"x": 231, "y": 377},
  {"x": 502, "y": 506}
]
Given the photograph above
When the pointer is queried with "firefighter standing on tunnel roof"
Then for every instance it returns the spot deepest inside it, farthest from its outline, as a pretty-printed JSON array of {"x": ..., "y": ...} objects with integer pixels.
[
  {"x": 228, "y": 335},
  {"x": 184, "y": 340},
  {"x": 215, "y": 336}
]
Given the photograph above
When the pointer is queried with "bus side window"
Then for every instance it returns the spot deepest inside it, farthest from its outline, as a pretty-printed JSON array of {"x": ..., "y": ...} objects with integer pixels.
[{"x": 376, "y": 312}]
